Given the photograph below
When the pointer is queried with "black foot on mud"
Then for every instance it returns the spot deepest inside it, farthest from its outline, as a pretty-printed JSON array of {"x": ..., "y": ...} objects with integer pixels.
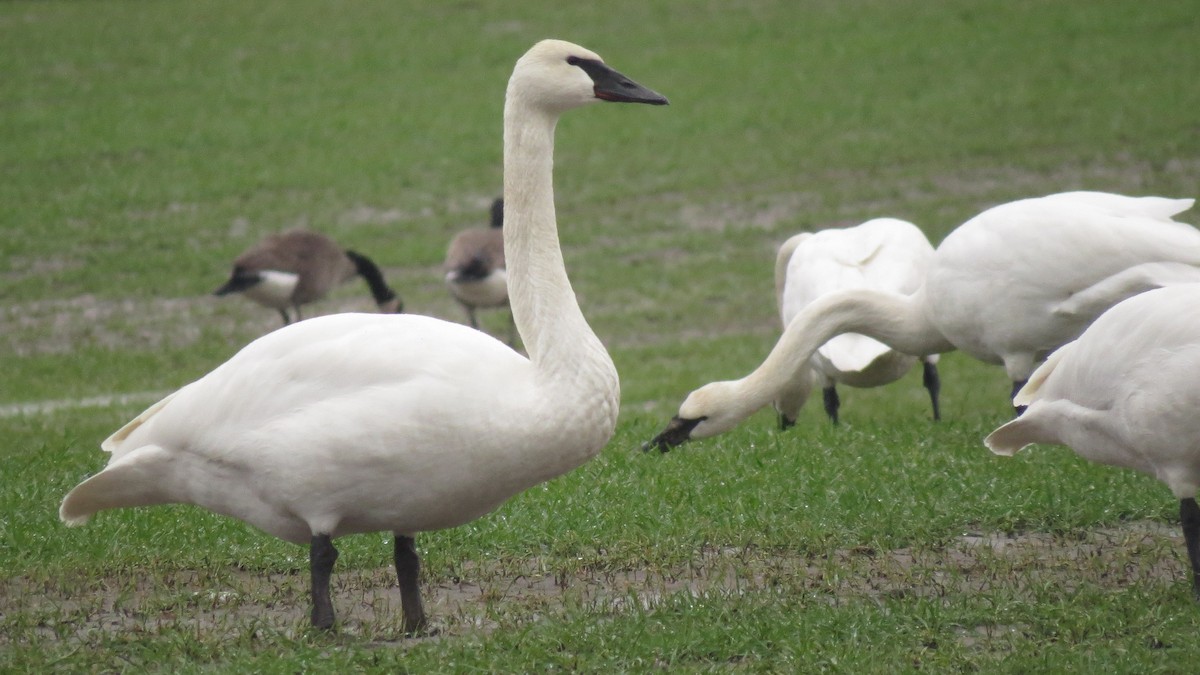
[
  {"x": 408, "y": 573},
  {"x": 321, "y": 557}
]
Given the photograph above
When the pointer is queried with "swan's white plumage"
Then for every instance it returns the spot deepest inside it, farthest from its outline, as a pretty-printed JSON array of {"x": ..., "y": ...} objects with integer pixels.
[
  {"x": 884, "y": 254},
  {"x": 1007, "y": 287},
  {"x": 1020, "y": 279},
  {"x": 1125, "y": 393},
  {"x": 363, "y": 422}
]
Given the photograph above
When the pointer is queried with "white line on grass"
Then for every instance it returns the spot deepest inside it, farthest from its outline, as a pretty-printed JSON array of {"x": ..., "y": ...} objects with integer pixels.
[{"x": 105, "y": 401}]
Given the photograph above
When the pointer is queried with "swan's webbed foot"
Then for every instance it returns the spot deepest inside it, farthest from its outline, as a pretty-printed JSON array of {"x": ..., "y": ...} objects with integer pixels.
[
  {"x": 321, "y": 557},
  {"x": 1189, "y": 515},
  {"x": 832, "y": 403},
  {"x": 408, "y": 572},
  {"x": 934, "y": 384}
]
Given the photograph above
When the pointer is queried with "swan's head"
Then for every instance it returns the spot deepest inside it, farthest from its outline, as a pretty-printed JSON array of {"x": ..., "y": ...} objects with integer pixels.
[
  {"x": 558, "y": 75},
  {"x": 712, "y": 409}
]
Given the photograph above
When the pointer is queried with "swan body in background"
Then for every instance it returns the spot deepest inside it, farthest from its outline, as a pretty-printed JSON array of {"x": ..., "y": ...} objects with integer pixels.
[
  {"x": 885, "y": 254},
  {"x": 298, "y": 266},
  {"x": 1007, "y": 287},
  {"x": 355, "y": 423},
  {"x": 1126, "y": 394},
  {"x": 475, "y": 271}
]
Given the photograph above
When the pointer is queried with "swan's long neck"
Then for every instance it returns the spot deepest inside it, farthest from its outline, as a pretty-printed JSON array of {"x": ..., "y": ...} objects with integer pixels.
[
  {"x": 896, "y": 320},
  {"x": 561, "y": 345}
]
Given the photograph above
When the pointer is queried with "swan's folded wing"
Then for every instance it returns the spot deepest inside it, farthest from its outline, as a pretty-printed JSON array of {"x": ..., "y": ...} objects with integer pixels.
[{"x": 1127, "y": 283}]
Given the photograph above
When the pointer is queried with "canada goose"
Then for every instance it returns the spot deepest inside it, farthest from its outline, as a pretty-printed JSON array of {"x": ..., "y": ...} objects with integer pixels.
[
  {"x": 1007, "y": 287},
  {"x": 296, "y": 267},
  {"x": 885, "y": 254},
  {"x": 475, "y": 272},
  {"x": 354, "y": 423},
  {"x": 1125, "y": 394}
]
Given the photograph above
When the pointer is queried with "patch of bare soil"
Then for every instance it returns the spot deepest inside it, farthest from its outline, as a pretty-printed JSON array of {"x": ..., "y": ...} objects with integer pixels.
[{"x": 368, "y": 601}]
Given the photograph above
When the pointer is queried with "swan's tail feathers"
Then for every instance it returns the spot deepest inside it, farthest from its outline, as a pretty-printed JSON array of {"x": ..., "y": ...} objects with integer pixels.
[
  {"x": 1165, "y": 207},
  {"x": 1008, "y": 439},
  {"x": 1041, "y": 422},
  {"x": 113, "y": 442},
  {"x": 135, "y": 479},
  {"x": 1033, "y": 385}
]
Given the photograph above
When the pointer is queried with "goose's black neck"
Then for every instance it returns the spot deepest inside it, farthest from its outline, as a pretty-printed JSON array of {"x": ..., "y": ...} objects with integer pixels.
[{"x": 370, "y": 273}]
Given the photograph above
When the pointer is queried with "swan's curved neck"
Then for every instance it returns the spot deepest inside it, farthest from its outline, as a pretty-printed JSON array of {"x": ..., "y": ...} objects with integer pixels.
[
  {"x": 558, "y": 339},
  {"x": 896, "y": 320}
]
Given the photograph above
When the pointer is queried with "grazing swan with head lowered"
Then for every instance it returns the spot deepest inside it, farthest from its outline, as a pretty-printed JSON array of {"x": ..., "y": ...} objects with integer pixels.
[
  {"x": 475, "y": 272},
  {"x": 364, "y": 422},
  {"x": 1126, "y": 394},
  {"x": 296, "y": 267},
  {"x": 1007, "y": 287},
  {"x": 883, "y": 253}
]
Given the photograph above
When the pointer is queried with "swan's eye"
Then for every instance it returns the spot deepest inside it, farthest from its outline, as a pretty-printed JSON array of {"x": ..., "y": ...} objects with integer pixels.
[{"x": 573, "y": 60}]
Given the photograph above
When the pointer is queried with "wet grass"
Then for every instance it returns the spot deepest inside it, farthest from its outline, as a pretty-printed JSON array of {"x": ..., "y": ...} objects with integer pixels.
[{"x": 146, "y": 144}]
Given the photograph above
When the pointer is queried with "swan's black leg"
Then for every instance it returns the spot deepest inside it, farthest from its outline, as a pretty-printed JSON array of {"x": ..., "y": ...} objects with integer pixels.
[
  {"x": 321, "y": 556},
  {"x": 1189, "y": 514},
  {"x": 1017, "y": 409},
  {"x": 785, "y": 422},
  {"x": 832, "y": 403},
  {"x": 934, "y": 384},
  {"x": 408, "y": 572}
]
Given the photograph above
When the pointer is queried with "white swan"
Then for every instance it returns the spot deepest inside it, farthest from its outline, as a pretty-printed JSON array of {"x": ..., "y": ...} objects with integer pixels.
[
  {"x": 475, "y": 270},
  {"x": 298, "y": 266},
  {"x": 363, "y": 422},
  {"x": 1126, "y": 394},
  {"x": 1007, "y": 287},
  {"x": 886, "y": 254}
]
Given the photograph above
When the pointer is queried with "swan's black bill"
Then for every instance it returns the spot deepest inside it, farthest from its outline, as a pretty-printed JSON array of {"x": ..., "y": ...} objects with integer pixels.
[
  {"x": 610, "y": 85},
  {"x": 678, "y": 432}
]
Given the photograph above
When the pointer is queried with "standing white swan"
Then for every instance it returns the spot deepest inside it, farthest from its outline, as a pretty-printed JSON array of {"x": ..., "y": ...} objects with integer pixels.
[
  {"x": 885, "y": 254},
  {"x": 1126, "y": 394},
  {"x": 361, "y": 423},
  {"x": 1007, "y": 287}
]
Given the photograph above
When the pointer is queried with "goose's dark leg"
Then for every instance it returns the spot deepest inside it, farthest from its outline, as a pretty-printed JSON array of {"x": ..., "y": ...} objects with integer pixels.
[
  {"x": 832, "y": 402},
  {"x": 471, "y": 316},
  {"x": 785, "y": 422},
  {"x": 1017, "y": 409},
  {"x": 408, "y": 572},
  {"x": 1189, "y": 514},
  {"x": 321, "y": 556},
  {"x": 286, "y": 319},
  {"x": 934, "y": 384}
]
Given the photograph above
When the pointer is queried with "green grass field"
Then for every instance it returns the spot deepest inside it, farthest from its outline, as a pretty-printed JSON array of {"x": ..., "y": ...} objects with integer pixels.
[{"x": 146, "y": 144}]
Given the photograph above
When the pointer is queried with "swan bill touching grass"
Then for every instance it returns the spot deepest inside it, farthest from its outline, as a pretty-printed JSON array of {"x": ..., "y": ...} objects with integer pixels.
[
  {"x": 355, "y": 423},
  {"x": 1126, "y": 394},
  {"x": 1007, "y": 287},
  {"x": 296, "y": 267},
  {"x": 887, "y": 254},
  {"x": 475, "y": 270}
]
